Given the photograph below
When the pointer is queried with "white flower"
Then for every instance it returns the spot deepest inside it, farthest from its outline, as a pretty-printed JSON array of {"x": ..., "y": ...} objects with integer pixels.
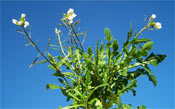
[
  {"x": 71, "y": 15},
  {"x": 153, "y": 16},
  {"x": 157, "y": 25},
  {"x": 70, "y": 11},
  {"x": 23, "y": 15},
  {"x": 19, "y": 23},
  {"x": 14, "y": 21},
  {"x": 26, "y": 23}
]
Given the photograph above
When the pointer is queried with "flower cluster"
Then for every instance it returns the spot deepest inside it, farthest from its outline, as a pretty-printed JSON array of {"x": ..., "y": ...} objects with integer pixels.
[
  {"x": 156, "y": 25},
  {"x": 69, "y": 16},
  {"x": 21, "y": 22}
]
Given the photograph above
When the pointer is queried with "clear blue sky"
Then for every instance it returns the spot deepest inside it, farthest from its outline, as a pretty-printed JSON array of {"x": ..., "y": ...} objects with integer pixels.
[{"x": 22, "y": 87}]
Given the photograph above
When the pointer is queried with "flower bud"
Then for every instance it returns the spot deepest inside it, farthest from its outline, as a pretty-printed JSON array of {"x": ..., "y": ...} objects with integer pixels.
[
  {"x": 157, "y": 25},
  {"x": 153, "y": 16},
  {"x": 23, "y": 15}
]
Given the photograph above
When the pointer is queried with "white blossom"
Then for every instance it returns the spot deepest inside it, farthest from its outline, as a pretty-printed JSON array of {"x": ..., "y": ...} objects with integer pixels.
[
  {"x": 153, "y": 16},
  {"x": 157, "y": 25},
  {"x": 71, "y": 15},
  {"x": 14, "y": 21},
  {"x": 26, "y": 23},
  {"x": 23, "y": 15},
  {"x": 70, "y": 11}
]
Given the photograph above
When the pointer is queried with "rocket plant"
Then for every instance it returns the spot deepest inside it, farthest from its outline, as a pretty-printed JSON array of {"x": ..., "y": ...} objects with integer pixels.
[{"x": 96, "y": 79}]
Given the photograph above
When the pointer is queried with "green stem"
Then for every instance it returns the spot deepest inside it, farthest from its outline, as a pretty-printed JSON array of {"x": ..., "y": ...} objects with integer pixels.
[
  {"x": 143, "y": 29},
  {"x": 70, "y": 33}
]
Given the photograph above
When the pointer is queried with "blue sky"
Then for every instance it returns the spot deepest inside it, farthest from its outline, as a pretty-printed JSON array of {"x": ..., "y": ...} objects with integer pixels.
[{"x": 22, "y": 87}]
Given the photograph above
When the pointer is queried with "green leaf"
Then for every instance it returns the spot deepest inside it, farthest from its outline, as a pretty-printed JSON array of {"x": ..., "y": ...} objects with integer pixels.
[
  {"x": 155, "y": 59},
  {"x": 102, "y": 48},
  {"x": 73, "y": 95},
  {"x": 108, "y": 34},
  {"x": 148, "y": 46},
  {"x": 57, "y": 74},
  {"x": 89, "y": 50},
  {"x": 78, "y": 55},
  {"x": 153, "y": 79},
  {"x": 115, "y": 45},
  {"x": 50, "y": 57},
  {"x": 141, "y": 107},
  {"x": 96, "y": 54},
  {"x": 127, "y": 106},
  {"x": 143, "y": 40},
  {"x": 70, "y": 51},
  {"x": 60, "y": 80},
  {"x": 53, "y": 86},
  {"x": 74, "y": 106},
  {"x": 124, "y": 72},
  {"x": 148, "y": 70},
  {"x": 51, "y": 67},
  {"x": 95, "y": 102},
  {"x": 89, "y": 95}
]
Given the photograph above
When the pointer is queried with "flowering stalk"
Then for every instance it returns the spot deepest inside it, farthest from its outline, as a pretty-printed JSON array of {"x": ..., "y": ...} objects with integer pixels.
[
  {"x": 45, "y": 56},
  {"x": 156, "y": 25}
]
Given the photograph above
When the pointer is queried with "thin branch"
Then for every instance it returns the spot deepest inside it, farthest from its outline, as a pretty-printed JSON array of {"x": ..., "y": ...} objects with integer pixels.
[
  {"x": 77, "y": 37},
  {"x": 44, "y": 55}
]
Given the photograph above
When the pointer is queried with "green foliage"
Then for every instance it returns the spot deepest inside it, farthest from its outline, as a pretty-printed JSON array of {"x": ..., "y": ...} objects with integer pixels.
[
  {"x": 97, "y": 79},
  {"x": 108, "y": 34}
]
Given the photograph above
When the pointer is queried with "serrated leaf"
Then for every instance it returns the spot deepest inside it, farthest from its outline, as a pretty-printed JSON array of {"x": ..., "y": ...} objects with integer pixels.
[
  {"x": 108, "y": 34},
  {"x": 151, "y": 77},
  {"x": 155, "y": 59},
  {"x": 148, "y": 46}
]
